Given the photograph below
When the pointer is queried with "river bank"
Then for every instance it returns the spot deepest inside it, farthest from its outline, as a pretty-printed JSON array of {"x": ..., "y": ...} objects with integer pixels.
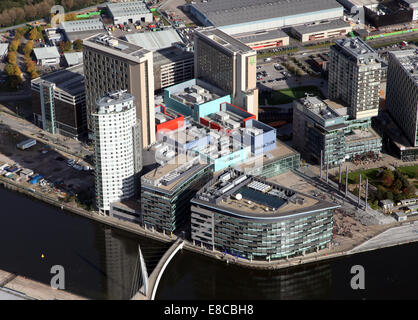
[{"x": 355, "y": 246}]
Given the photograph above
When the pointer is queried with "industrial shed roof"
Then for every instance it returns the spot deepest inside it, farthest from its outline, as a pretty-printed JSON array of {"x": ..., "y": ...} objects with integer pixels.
[
  {"x": 4, "y": 47},
  {"x": 82, "y": 25},
  {"x": 46, "y": 53},
  {"x": 229, "y": 12},
  {"x": 317, "y": 27},
  {"x": 73, "y": 58},
  {"x": 122, "y": 9},
  {"x": 154, "y": 40}
]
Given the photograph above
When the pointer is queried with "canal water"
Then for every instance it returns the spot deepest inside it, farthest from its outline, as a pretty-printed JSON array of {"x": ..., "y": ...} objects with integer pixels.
[{"x": 102, "y": 263}]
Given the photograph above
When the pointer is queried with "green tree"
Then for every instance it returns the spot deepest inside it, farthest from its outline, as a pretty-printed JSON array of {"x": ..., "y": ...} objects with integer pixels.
[
  {"x": 381, "y": 193},
  {"x": 78, "y": 45},
  {"x": 30, "y": 65},
  {"x": 65, "y": 46},
  {"x": 388, "y": 178},
  {"x": 11, "y": 57},
  {"x": 14, "y": 45},
  {"x": 35, "y": 34},
  {"x": 28, "y": 48},
  {"x": 34, "y": 74},
  {"x": 397, "y": 185},
  {"x": 70, "y": 17}
]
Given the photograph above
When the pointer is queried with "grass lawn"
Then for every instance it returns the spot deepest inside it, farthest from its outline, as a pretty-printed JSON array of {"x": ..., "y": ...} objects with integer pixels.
[
  {"x": 410, "y": 171},
  {"x": 353, "y": 177},
  {"x": 288, "y": 95}
]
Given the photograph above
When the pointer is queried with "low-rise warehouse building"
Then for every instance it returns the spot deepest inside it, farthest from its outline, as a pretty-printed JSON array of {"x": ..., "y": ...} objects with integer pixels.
[
  {"x": 4, "y": 50},
  {"x": 258, "y": 220},
  {"x": 321, "y": 30},
  {"x": 47, "y": 56},
  {"x": 266, "y": 39},
  {"x": 54, "y": 36},
  {"x": 81, "y": 29},
  {"x": 73, "y": 58},
  {"x": 129, "y": 12},
  {"x": 238, "y": 16}
]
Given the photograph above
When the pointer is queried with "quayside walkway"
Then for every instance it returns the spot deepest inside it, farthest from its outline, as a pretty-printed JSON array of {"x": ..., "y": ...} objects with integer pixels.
[
  {"x": 13, "y": 286},
  {"x": 150, "y": 286}
]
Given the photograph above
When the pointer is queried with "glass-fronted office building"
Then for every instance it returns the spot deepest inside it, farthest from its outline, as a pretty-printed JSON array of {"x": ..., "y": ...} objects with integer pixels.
[{"x": 269, "y": 222}]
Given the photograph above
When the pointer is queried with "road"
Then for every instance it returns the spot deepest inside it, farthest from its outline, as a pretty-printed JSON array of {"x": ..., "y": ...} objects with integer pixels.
[
  {"x": 44, "y": 21},
  {"x": 70, "y": 146}
]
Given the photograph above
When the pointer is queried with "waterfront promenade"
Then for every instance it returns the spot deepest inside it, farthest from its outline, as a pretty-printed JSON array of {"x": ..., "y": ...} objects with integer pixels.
[
  {"x": 15, "y": 287},
  {"x": 335, "y": 251}
]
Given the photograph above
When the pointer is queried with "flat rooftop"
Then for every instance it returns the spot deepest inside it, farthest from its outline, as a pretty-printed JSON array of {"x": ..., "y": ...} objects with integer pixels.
[
  {"x": 113, "y": 98},
  {"x": 70, "y": 80},
  {"x": 281, "y": 151},
  {"x": 229, "y": 12},
  {"x": 224, "y": 40},
  {"x": 408, "y": 59},
  {"x": 321, "y": 26},
  {"x": 122, "y": 9},
  {"x": 73, "y": 58},
  {"x": 337, "y": 107},
  {"x": 153, "y": 41},
  {"x": 128, "y": 204},
  {"x": 188, "y": 133},
  {"x": 259, "y": 36},
  {"x": 319, "y": 108},
  {"x": 171, "y": 175},
  {"x": 241, "y": 194},
  {"x": 358, "y": 135},
  {"x": 357, "y": 50},
  {"x": 82, "y": 25},
  {"x": 361, "y": 3},
  {"x": 46, "y": 53},
  {"x": 116, "y": 46},
  {"x": 194, "y": 94},
  {"x": 164, "y": 114},
  {"x": 172, "y": 54},
  {"x": 4, "y": 47}
]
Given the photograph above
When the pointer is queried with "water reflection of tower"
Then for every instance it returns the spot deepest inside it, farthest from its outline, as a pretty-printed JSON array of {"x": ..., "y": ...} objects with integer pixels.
[
  {"x": 121, "y": 265},
  {"x": 308, "y": 282},
  {"x": 305, "y": 282}
]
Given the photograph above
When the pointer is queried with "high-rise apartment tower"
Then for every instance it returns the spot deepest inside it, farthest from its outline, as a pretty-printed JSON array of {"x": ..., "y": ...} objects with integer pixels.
[
  {"x": 402, "y": 92},
  {"x": 117, "y": 149},
  {"x": 111, "y": 64},
  {"x": 229, "y": 64},
  {"x": 355, "y": 72}
]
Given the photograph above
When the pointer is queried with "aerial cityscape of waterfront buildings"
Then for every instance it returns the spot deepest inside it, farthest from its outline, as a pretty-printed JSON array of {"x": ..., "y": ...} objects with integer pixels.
[{"x": 169, "y": 110}]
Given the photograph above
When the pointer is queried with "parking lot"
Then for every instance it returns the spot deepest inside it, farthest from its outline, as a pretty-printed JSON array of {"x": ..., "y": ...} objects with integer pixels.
[
  {"x": 270, "y": 76},
  {"x": 59, "y": 178}
]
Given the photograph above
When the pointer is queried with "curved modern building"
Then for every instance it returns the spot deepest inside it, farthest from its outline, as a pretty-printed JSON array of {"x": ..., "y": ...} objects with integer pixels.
[
  {"x": 117, "y": 145},
  {"x": 259, "y": 220}
]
